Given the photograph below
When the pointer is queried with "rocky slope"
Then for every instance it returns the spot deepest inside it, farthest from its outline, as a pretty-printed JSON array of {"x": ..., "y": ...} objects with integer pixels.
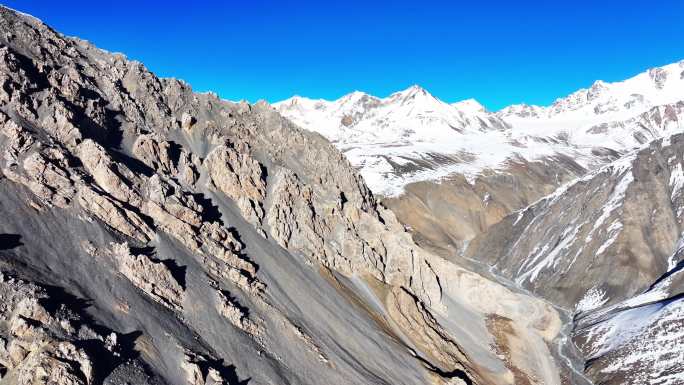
[
  {"x": 607, "y": 247},
  {"x": 444, "y": 216},
  {"x": 638, "y": 341},
  {"x": 152, "y": 235},
  {"x": 623, "y": 219}
]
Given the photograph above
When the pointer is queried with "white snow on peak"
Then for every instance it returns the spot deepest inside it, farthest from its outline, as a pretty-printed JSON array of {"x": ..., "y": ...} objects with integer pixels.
[
  {"x": 521, "y": 111},
  {"x": 613, "y": 101},
  {"x": 405, "y": 129},
  {"x": 412, "y": 136},
  {"x": 469, "y": 106}
]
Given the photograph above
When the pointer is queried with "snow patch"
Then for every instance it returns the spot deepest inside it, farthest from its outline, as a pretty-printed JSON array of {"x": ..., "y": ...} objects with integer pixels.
[
  {"x": 676, "y": 181},
  {"x": 652, "y": 339},
  {"x": 616, "y": 198},
  {"x": 551, "y": 259},
  {"x": 593, "y": 299},
  {"x": 613, "y": 231}
]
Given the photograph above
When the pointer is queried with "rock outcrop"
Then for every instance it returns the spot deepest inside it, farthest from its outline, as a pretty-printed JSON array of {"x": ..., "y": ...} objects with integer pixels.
[
  {"x": 238, "y": 175},
  {"x": 152, "y": 277},
  {"x": 43, "y": 346}
]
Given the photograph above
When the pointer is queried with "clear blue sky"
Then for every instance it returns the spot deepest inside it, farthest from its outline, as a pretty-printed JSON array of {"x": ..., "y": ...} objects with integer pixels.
[{"x": 499, "y": 52}]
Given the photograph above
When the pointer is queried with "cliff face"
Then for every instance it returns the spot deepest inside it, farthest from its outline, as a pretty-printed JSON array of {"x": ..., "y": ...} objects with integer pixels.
[{"x": 156, "y": 235}]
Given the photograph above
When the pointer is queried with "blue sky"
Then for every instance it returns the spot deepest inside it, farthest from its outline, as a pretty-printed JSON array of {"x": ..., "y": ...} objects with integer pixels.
[{"x": 498, "y": 52}]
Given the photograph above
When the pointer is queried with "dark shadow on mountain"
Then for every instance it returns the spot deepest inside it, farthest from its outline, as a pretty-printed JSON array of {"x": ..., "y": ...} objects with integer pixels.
[
  {"x": 111, "y": 135},
  {"x": 236, "y": 302},
  {"x": 679, "y": 266},
  {"x": 456, "y": 373},
  {"x": 673, "y": 299},
  {"x": 89, "y": 94},
  {"x": 211, "y": 212},
  {"x": 58, "y": 296},
  {"x": 147, "y": 251},
  {"x": 233, "y": 231},
  {"x": 228, "y": 372},
  {"x": 133, "y": 164},
  {"x": 123, "y": 352},
  {"x": 39, "y": 80},
  {"x": 175, "y": 150},
  {"x": 178, "y": 272},
  {"x": 108, "y": 360},
  {"x": 10, "y": 241},
  {"x": 264, "y": 172}
]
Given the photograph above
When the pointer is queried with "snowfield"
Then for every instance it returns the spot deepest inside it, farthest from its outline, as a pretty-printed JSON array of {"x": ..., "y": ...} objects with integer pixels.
[{"x": 411, "y": 136}]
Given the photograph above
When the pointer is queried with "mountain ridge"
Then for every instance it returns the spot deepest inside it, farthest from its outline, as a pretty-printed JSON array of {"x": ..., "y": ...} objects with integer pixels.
[
  {"x": 404, "y": 129},
  {"x": 597, "y": 84},
  {"x": 434, "y": 153}
]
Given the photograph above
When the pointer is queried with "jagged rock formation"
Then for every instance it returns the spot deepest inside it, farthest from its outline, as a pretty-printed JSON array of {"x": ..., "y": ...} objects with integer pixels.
[
  {"x": 240, "y": 177},
  {"x": 235, "y": 315},
  {"x": 152, "y": 277},
  {"x": 43, "y": 346},
  {"x": 229, "y": 245}
]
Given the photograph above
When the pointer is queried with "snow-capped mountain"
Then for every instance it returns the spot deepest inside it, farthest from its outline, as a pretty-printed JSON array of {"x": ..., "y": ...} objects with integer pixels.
[
  {"x": 600, "y": 247},
  {"x": 586, "y": 115},
  {"x": 412, "y": 136},
  {"x": 610, "y": 101},
  {"x": 405, "y": 137}
]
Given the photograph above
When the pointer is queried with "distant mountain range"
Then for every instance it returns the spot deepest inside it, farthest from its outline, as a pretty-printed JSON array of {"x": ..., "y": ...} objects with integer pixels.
[
  {"x": 579, "y": 202},
  {"x": 412, "y": 136}
]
